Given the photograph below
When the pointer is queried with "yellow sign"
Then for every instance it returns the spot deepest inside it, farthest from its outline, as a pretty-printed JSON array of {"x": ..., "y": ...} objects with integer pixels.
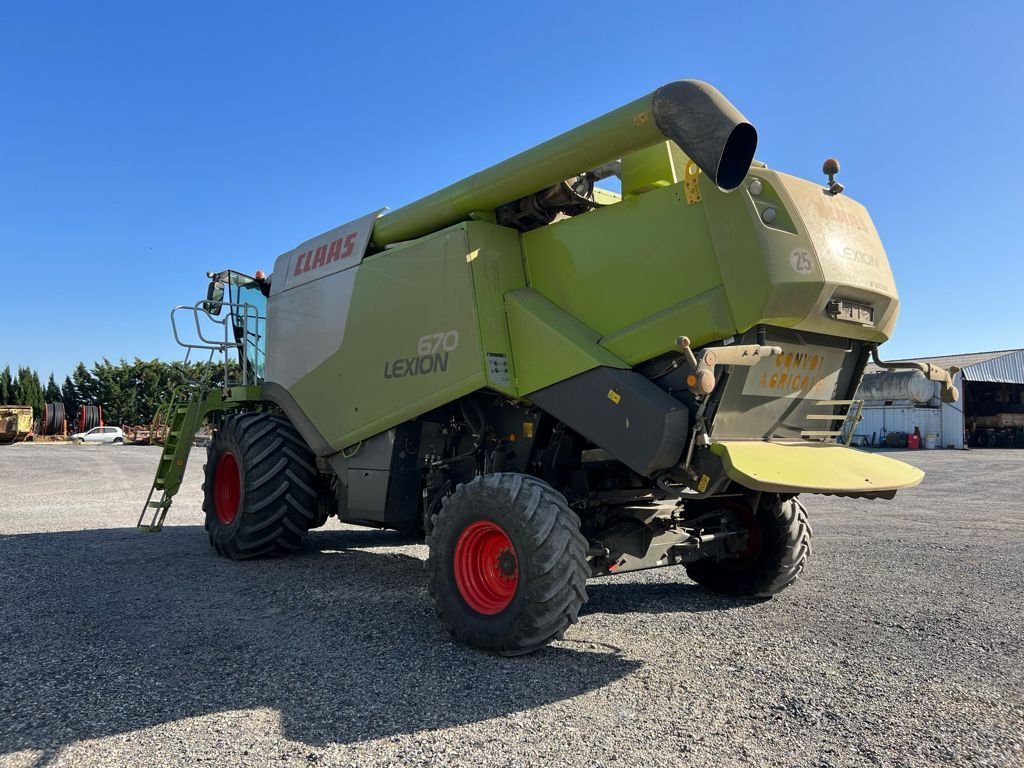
[
  {"x": 614, "y": 396},
  {"x": 703, "y": 484},
  {"x": 800, "y": 371},
  {"x": 690, "y": 183}
]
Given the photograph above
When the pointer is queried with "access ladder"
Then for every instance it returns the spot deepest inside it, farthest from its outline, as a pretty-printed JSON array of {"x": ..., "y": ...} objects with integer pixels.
[{"x": 185, "y": 419}]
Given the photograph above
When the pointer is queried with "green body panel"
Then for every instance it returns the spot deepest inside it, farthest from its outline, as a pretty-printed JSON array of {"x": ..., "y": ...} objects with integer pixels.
[
  {"x": 626, "y": 264},
  {"x": 497, "y": 265},
  {"x": 767, "y": 280},
  {"x": 419, "y": 293},
  {"x": 550, "y": 345},
  {"x": 655, "y": 266},
  {"x": 704, "y": 318},
  {"x": 381, "y": 376},
  {"x": 659, "y": 166}
]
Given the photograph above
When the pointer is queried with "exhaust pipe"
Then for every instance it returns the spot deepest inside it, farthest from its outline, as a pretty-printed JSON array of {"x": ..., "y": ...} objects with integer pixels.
[{"x": 691, "y": 113}]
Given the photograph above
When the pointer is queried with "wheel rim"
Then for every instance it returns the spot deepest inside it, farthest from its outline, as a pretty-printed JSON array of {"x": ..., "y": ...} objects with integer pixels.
[
  {"x": 486, "y": 567},
  {"x": 227, "y": 488}
]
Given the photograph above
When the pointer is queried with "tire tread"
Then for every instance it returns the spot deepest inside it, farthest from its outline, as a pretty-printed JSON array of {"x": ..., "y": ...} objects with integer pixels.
[
  {"x": 555, "y": 588},
  {"x": 278, "y": 498}
]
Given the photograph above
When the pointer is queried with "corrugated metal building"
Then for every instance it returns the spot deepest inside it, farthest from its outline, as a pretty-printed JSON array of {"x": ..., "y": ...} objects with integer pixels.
[{"x": 990, "y": 411}]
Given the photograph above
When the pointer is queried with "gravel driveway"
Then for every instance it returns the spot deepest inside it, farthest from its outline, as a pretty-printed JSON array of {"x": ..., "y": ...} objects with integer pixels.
[{"x": 900, "y": 646}]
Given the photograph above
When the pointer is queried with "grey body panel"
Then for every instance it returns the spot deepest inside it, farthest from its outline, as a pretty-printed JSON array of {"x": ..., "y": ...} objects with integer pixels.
[
  {"x": 382, "y": 480},
  {"x": 310, "y": 292},
  {"x": 638, "y": 423}
]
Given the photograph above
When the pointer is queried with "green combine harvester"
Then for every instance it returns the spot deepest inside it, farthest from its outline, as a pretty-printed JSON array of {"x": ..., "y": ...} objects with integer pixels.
[{"x": 551, "y": 381}]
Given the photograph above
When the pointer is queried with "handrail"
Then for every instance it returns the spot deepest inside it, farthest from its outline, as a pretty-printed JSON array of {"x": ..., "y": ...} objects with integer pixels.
[{"x": 246, "y": 312}]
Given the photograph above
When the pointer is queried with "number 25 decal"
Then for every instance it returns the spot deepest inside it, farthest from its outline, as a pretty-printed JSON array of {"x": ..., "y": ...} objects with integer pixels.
[{"x": 800, "y": 260}]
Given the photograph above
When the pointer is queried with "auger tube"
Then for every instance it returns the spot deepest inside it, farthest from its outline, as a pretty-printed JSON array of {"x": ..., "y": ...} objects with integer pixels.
[{"x": 691, "y": 113}]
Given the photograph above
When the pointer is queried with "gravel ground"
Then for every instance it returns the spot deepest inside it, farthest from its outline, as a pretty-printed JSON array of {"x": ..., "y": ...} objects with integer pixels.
[{"x": 900, "y": 646}]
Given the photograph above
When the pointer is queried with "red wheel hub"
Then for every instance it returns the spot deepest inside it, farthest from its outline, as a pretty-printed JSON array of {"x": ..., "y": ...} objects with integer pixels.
[
  {"x": 227, "y": 488},
  {"x": 486, "y": 567}
]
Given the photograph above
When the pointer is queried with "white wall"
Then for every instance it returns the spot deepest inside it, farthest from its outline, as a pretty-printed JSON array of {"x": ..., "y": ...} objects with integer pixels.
[
  {"x": 946, "y": 421},
  {"x": 895, "y": 418}
]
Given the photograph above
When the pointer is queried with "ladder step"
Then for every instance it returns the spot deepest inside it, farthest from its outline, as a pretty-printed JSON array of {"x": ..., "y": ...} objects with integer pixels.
[{"x": 179, "y": 415}]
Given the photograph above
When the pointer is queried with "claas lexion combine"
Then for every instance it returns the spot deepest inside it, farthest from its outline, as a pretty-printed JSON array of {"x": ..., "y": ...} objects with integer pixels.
[{"x": 552, "y": 381}]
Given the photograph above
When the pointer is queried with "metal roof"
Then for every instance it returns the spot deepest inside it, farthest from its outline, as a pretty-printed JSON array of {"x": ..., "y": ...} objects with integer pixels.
[{"x": 1004, "y": 366}]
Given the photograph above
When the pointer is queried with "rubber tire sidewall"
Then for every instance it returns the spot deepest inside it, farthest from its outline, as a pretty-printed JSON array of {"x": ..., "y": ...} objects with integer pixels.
[
  {"x": 227, "y": 442},
  {"x": 277, "y": 498},
  {"x": 504, "y": 632},
  {"x": 785, "y": 547},
  {"x": 479, "y": 629}
]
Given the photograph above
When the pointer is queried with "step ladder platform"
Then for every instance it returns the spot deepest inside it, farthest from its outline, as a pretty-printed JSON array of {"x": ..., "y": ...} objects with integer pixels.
[{"x": 184, "y": 420}]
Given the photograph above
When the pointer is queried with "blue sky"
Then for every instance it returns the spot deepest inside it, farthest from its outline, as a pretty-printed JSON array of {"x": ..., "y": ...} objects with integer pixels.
[{"x": 142, "y": 144}]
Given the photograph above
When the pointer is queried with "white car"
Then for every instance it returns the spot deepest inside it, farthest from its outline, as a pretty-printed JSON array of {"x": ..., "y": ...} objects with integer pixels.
[{"x": 100, "y": 435}]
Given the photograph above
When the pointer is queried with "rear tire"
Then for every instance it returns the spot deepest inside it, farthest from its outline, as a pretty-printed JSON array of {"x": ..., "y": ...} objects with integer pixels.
[
  {"x": 779, "y": 544},
  {"x": 260, "y": 490},
  {"x": 508, "y": 565}
]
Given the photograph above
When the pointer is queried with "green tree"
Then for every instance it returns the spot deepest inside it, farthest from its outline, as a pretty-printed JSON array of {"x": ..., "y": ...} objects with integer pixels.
[
  {"x": 52, "y": 394},
  {"x": 85, "y": 385},
  {"x": 129, "y": 392},
  {"x": 28, "y": 390},
  {"x": 69, "y": 394},
  {"x": 6, "y": 386}
]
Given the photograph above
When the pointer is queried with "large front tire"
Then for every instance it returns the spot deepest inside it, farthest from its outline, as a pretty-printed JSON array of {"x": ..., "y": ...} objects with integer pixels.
[
  {"x": 260, "y": 494},
  {"x": 776, "y": 551},
  {"x": 508, "y": 565}
]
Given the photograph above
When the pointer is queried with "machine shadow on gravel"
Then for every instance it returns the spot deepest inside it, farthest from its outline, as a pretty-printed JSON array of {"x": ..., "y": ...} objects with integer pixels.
[
  {"x": 106, "y": 633},
  {"x": 617, "y": 597}
]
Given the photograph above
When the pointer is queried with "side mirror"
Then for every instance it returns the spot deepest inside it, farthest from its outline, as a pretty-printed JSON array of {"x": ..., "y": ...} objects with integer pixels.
[{"x": 214, "y": 298}]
